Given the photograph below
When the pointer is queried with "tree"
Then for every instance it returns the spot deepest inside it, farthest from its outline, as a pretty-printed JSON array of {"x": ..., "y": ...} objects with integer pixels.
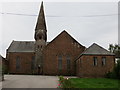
[
  {"x": 117, "y": 69},
  {"x": 115, "y": 49}
]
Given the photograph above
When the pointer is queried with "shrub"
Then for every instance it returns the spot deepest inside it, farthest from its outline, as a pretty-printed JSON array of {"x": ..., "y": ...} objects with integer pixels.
[
  {"x": 61, "y": 78},
  {"x": 64, "y": 82},
  {"x": 115, "y": 74},
  {"x": 117, "y": 69},
  {"x": 111, "y": 75}
]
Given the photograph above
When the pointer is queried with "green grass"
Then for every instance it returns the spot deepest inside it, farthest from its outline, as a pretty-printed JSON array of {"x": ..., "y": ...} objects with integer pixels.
[{"x": 94, "y": 83}]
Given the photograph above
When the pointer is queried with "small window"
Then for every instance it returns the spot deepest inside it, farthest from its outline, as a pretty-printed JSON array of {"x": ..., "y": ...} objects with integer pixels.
[
  {"x": 103, "y": 61},
  {"x": 40, "y": 37},
  {"x": 60, "y": 62},
  {"x": 95, "y": 61},
  {"x": 41, "y": 46}
]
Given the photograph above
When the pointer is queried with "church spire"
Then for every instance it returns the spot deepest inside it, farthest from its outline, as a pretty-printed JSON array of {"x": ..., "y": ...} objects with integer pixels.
[
  {"x": 41, "y": 24},
  {"x": 41, "y": 38},
  {"x": 41, "y": 30}
]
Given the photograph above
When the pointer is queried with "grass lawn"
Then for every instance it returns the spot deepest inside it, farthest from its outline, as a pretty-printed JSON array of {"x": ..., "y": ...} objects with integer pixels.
[{"x": 94, "y": 83}]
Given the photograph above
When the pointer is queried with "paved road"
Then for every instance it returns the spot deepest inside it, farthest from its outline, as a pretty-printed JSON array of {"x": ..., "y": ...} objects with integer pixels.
[{"x": 30, "y": 81}]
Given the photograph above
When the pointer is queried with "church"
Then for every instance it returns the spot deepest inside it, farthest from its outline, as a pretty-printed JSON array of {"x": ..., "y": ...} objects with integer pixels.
[{"x": 62, "y": 56}]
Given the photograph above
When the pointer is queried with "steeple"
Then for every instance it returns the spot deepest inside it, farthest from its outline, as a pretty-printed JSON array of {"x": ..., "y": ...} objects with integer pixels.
[
  {"x": 41, "y": 24},
  {"x": 41, "y": 38}
]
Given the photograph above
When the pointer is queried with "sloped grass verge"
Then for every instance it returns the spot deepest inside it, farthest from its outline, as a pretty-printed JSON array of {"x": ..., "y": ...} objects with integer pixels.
[
  {"x": 94, "y": 83},
  {"x": 88, "y": 83}
]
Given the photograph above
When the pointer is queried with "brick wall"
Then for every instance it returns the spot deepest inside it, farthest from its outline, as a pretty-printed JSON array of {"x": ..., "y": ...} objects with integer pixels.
[
  {"x": 25, "y": 62},
  {"x": 85, "y": 67},
  {"x": 62, "y": 45},
  {"x": 3, "y": 64}
]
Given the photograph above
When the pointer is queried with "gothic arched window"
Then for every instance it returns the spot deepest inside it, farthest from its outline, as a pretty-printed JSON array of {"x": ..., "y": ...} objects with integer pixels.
[
  {"x": 59, "y": 62},
  {"x": 68, "y": 61},
  {"x": 17, "y": 63}
]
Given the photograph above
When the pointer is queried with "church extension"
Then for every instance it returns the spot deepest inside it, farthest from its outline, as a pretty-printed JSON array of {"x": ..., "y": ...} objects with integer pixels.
[{"x": 62, "y": 56}]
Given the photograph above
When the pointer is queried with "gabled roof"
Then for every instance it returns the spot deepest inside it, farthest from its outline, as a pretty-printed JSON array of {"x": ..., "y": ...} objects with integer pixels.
[
  {"x": 64, "y": 32},
  {"x": 95, "y": 49},
  {"x": 21, "y": 46}
]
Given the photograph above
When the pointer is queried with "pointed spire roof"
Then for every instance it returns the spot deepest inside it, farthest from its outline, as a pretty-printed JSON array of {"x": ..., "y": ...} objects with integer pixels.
[
  {"x": 41, "y": 24},
  {"x": 95, "y": 49}
]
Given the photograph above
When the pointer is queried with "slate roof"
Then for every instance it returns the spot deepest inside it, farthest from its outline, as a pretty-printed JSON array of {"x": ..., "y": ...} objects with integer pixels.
[
  {"x": 95, "y": 49},
  {"x": 21, "y": 46}
]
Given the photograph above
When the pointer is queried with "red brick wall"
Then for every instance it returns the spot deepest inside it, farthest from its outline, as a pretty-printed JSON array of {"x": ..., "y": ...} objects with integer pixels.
[
  {"x": 63, "y": 45},
  {"x": 3, "y": 62},
  {"x": 25, "y": 62},
  {"x": 85, "y": 67}
]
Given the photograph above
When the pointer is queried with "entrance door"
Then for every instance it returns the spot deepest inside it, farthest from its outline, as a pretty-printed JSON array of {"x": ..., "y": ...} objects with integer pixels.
[{"x": 39, "y": 70}]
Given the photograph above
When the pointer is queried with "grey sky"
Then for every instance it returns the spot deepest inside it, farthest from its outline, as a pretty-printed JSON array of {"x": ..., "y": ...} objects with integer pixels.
[{"x": 87, "y": 22}]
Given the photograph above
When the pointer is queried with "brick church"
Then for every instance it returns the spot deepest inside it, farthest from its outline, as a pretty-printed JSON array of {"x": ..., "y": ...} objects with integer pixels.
[{"x": 62, "y": 56}]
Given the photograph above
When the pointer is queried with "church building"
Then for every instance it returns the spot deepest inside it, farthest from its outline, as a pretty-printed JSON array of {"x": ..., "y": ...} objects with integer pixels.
[{"x": 62, "y": 56}]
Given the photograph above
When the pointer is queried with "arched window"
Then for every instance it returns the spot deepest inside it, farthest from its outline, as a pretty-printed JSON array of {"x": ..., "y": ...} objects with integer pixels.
[
  {"x": 68, "y": 61},
  {"x": 17, "y": 63},
  {"x": 59, "y": 62},
  {"x": 40, "y": 37}
]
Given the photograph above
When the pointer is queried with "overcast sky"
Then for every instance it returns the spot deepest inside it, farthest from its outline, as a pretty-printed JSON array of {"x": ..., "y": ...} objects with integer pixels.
[{"x": 87, "y": 22}]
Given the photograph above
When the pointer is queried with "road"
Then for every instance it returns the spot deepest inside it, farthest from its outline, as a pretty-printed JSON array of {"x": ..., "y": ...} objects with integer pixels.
[{"x": 30, "y": 81}]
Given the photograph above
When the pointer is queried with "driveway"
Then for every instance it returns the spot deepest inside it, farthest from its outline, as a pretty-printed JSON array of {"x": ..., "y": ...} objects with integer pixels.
[{"x": 30, "y": 81}]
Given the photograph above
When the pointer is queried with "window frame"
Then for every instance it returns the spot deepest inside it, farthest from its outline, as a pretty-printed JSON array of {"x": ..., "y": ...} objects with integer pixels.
[
  {"x": 103, "y": 61},
  {"x": 95, "y": 61}
]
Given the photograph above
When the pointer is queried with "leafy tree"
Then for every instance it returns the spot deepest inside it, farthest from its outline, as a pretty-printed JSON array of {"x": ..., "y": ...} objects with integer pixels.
[
  {"x": 117, "y": 69},
  {"x": 115, "y": 49}
]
